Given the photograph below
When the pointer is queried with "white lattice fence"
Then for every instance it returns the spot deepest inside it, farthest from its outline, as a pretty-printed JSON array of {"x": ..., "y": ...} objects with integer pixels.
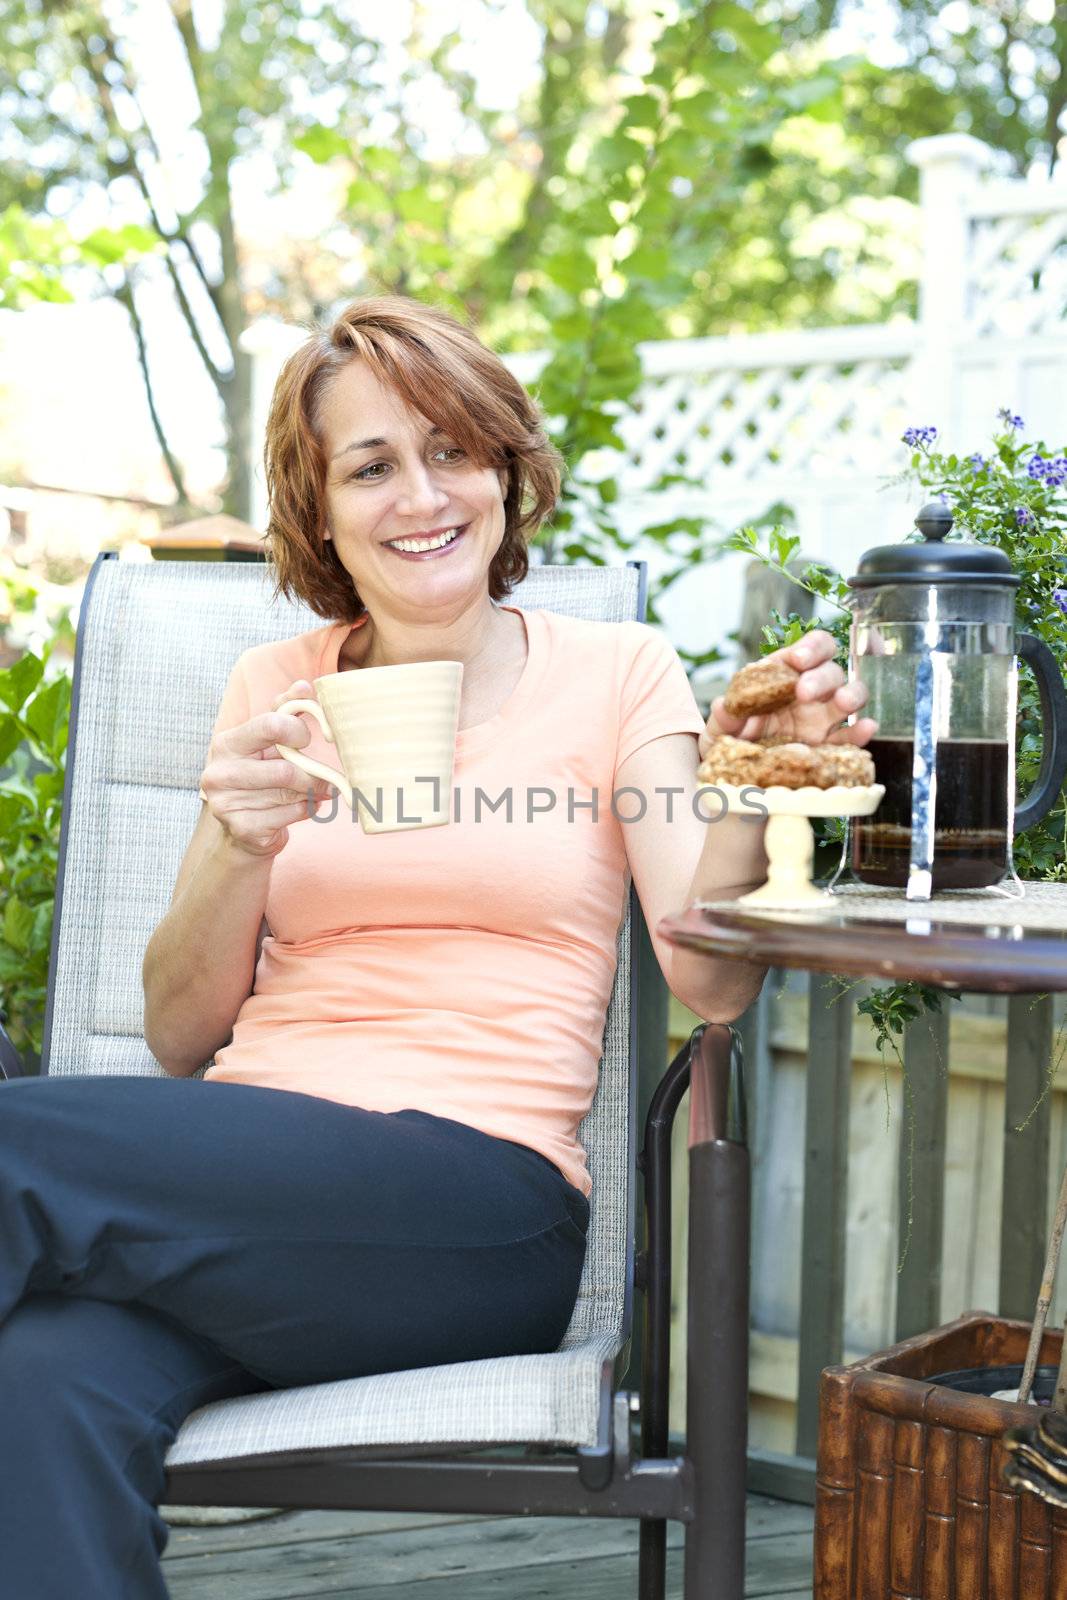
[
  {"x": 1018, "y": 262},
  {"x": 740, "y": 408},
  {"x": 814, "y": 418}
]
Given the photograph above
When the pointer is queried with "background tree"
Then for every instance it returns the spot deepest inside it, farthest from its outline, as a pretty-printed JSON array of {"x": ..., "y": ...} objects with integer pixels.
[{"x": 74, "y": 91}]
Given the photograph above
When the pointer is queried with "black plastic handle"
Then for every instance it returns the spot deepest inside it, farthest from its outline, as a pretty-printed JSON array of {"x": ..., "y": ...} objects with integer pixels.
[{"x": 1046, "y": 791}]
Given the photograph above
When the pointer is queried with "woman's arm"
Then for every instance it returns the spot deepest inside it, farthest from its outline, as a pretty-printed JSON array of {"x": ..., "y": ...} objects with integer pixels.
[
  {"x": 200, "y": 962},
  {"x": 674, "y": 862}
]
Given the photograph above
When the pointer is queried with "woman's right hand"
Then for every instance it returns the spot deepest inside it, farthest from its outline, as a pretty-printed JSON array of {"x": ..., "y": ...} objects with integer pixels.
[{"x": 252, "y": 792}]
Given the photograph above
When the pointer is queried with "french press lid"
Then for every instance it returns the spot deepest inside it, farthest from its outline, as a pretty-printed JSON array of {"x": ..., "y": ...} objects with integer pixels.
[{"x": 933, "y": 561}]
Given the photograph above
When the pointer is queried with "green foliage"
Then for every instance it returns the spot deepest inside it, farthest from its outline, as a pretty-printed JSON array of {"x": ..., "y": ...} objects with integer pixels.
[
  {"x": 892, "y": 1008},
  {"x": 34, "y": 715},
  {"x": 621, "y": 254},
  {"x": 37, "y": 252}
]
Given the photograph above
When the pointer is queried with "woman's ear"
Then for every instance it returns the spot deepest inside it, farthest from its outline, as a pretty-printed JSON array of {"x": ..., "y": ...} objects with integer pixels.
[{"x": 502, "y": 479}]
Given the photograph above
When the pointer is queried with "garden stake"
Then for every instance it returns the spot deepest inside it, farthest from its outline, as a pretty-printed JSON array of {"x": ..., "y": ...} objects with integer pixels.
[{"x": 1044, "y": 1300}]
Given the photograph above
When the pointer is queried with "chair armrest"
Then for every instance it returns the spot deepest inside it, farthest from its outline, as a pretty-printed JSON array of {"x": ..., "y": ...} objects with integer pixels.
[{"x": 10, "y": 1060}]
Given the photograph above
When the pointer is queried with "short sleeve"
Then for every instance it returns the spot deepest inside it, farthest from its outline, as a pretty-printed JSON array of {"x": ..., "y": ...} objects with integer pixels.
[
  {"x": 234, "y": 707},
  {"x": 656, "y": 697}
]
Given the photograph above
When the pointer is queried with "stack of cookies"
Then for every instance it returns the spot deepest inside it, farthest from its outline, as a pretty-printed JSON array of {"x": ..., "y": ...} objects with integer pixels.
[{"x": 777, "y": 761}]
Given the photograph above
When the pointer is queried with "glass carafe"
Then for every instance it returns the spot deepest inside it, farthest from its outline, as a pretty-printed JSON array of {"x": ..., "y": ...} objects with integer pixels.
[{"x": 933, "y": 639}]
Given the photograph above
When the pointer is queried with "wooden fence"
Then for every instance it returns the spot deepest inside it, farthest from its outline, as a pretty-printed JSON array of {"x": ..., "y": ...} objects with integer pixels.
[{"x": 888, "y": 1196}]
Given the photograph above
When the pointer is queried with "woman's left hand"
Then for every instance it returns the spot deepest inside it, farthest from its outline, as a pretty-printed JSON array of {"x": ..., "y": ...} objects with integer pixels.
[{"x": 824, "y": 699}]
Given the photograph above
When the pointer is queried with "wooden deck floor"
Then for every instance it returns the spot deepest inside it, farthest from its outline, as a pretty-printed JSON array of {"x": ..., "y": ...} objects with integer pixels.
[{"x": 311, "y": 1555}]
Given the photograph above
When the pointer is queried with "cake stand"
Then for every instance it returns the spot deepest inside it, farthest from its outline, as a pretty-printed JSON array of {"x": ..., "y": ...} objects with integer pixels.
[{"x": 789, "y": 840}]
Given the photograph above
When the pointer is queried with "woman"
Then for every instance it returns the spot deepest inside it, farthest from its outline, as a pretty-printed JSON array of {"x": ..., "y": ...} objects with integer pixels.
[{"x": 384, "y": 1171}]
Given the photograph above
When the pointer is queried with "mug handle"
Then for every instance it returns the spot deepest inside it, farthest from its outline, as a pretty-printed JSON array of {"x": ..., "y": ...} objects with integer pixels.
[
  {"x": 1043, "y": 796},
  {"x": 316, "y": 769}
]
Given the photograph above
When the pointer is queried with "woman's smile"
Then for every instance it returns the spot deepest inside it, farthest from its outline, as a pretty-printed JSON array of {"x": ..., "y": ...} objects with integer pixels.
[{"x": 432, "y": 545}]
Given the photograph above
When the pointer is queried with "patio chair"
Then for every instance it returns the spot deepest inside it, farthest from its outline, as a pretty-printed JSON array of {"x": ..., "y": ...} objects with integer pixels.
[{"x": 533, "y": 1434}]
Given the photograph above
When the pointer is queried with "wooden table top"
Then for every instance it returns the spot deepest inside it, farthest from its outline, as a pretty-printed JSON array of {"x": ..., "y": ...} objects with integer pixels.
[{"x": 968, "y": 940}]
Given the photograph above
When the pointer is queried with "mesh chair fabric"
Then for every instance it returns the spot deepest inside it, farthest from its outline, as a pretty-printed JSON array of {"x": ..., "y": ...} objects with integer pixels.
[{"x": 156, "y": 645}]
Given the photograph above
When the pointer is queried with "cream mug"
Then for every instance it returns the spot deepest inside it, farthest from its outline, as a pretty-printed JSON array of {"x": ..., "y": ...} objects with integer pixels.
[{"x": 395, "y": 732}]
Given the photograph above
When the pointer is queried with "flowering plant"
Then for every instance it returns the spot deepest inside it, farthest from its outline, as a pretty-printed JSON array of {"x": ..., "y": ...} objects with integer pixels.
[{"x": 1015, "y": 498}]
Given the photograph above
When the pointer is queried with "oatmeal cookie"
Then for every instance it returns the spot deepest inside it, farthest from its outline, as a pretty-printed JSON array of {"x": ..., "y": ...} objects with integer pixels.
[
  {"x": 792, "y": 765},
  {"x": 731, "y": 760},
  {"x": 762, "y": 686},
  {"x": 842, "y": 763}
]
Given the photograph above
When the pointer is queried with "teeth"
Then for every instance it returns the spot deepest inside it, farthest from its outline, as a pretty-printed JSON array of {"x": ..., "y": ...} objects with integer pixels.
[{"x": 414, "y": 546}]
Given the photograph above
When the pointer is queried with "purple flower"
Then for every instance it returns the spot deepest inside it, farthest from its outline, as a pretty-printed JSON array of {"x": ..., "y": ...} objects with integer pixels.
[
  {"x": 1023, "y": 515},
  {"x": 1010, "y": 419},
  {"x": 918, "y": 437},
  {"x": 1059, "y": 600},
  {"x": 977, "y": 463},
  {"x": 1052, "y": 472}
]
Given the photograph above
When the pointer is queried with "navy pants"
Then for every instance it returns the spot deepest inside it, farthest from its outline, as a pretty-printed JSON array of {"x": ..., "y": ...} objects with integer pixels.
[{"x": 169, "y": 1242}]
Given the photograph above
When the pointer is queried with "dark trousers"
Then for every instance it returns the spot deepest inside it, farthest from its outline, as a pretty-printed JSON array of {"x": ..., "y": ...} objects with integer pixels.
[{"x": 165, "y": 1243}]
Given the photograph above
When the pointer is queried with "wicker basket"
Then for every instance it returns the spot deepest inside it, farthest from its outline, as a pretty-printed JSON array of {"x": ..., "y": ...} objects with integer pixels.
[{"x": 910, "y": 1503}]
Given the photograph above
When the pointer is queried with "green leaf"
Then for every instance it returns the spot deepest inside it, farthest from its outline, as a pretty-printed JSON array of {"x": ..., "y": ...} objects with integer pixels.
[
  {"x": 13, "y": 811},
  {"x": 322, "y": 144},
  {"x": 642, "y": 111},
  {"x": 364, "y": 194},
  {"x": 803, "y": 96},
  {"x": 11, "y": 737},
  {"x": 18, "y": 923},
  {"x": 417, "y": 205},
  {"x": 572, "y": 269},
  {"x": 105, "y": 246},
  {"x": 757, "y": 39},
  {"x": 18, "y": 682},
  {"x": 48, "y": 714}
]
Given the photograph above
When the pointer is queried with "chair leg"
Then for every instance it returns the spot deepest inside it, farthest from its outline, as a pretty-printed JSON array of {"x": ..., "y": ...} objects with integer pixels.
[
  {"x": 652, "y": 1561},
  {"x": 655, "y": 1164},
  {"x": 717, "y": 1355}
]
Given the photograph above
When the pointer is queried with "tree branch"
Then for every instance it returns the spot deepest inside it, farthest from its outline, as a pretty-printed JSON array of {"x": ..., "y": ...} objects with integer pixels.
[
  {"x": 103, "y": 88},
  {"x": 126, "y": 297}
]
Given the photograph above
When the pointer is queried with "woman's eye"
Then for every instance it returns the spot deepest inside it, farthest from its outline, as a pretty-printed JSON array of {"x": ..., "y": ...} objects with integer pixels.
[{"x": 378, "y": 469}]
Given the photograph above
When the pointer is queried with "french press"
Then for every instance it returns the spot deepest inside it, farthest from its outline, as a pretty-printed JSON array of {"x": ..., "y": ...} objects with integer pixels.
[{"x": 933, "y": 638}]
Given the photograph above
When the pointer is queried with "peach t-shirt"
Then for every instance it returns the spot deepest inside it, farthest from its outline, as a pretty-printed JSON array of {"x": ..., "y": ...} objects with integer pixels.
[{"x": 463, "y": 970}]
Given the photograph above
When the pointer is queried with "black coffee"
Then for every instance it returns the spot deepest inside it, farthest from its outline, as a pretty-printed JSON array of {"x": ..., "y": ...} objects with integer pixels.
[{"x": 970, "y": 815}]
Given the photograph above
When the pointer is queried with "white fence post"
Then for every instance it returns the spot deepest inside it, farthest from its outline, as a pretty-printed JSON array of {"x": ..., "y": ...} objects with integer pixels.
[{"x": 949, "y": 165}]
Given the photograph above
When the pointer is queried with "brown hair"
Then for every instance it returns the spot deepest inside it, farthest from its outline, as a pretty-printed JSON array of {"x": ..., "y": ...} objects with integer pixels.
[{"x": 440, "y": 369}]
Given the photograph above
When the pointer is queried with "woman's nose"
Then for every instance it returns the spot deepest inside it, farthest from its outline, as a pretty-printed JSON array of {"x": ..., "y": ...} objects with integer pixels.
[{"x": 420, "y": 491}]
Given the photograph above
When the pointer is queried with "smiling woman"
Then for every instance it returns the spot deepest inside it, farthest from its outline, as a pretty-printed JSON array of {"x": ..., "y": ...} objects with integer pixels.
[
  {"x": 392, "y": 373},
  {"x": 432, "y": 1001}
]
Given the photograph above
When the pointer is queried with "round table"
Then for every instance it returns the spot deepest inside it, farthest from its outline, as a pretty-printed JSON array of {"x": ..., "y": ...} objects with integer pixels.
[{"x": 969, "y": 939}]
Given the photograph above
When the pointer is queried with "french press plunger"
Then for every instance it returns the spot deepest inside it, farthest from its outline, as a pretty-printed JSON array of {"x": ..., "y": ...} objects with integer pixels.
[{"x": 934, "y": 640}]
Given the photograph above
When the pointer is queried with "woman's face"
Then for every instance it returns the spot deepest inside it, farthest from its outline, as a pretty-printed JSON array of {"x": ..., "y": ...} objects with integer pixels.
[{"x": 395, "y": 488}]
